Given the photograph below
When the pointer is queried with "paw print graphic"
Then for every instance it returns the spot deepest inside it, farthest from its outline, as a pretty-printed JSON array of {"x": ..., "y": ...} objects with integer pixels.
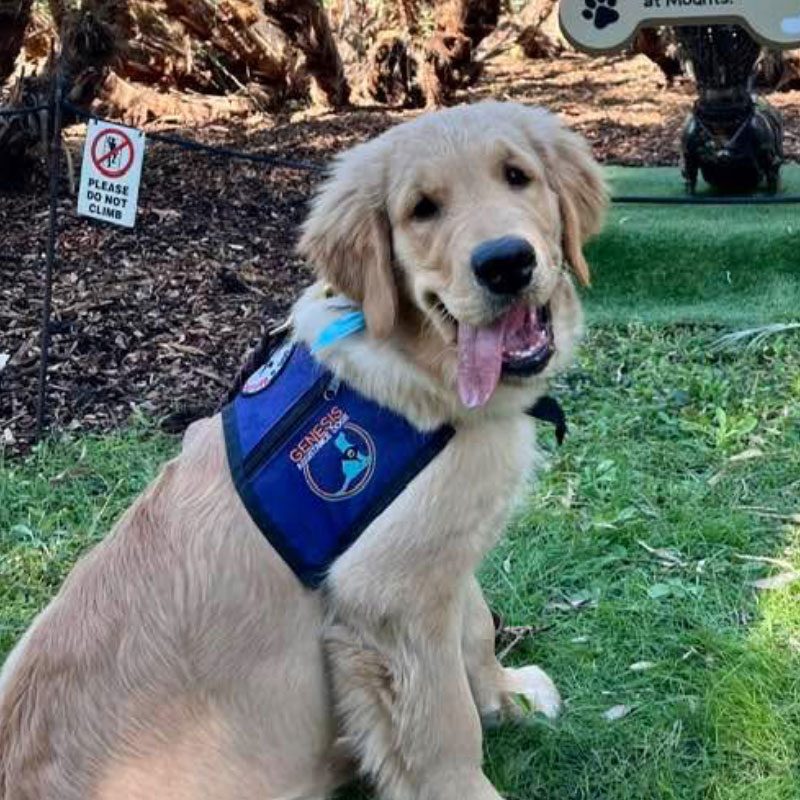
[{"x": 602, "y": 12}]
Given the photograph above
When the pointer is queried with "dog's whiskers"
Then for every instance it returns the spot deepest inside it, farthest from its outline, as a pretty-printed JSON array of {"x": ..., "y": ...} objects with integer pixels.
[{"x": 429, "y": 326}]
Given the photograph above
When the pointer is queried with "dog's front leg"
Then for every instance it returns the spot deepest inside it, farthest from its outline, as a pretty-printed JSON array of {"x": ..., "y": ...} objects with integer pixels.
[
  {"x": 497, "y": 690},
  {"x": 404, "y": 701}
]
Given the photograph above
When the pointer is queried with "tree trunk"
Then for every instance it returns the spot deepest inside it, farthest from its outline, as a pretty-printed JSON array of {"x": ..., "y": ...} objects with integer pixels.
[
  {"x": 392, "y": 76},
  {"x": 92, "y": 36},
  {"x": 409, "y": 16},
  {"x": 402, "y": 70},
  {"x": 658, "y": 44},
  {"x": 136, "y": 104},
  {"x": 446, "y": 54},
  {"x": 481, "y": 19},
  {"x": 210, "y": 46},
  {"x": 448, "y": 63},
  {"x": 779, "y": 70},
  {"x": 14, "y": 18},
  {"x": 110, "y": 47},
  {"x": 306, "y": 25},
  {"x": 532, "y": 39}
]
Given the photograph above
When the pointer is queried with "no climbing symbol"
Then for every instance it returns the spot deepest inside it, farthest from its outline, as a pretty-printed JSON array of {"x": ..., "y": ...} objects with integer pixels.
[{"x": 112, "y": 152}]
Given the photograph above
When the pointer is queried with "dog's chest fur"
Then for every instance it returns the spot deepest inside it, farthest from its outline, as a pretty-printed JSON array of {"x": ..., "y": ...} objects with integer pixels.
[{"x": 452, "y": 513}]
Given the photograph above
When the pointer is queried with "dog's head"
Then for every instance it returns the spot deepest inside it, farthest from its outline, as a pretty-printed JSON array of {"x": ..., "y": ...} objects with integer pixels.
[{"x": 454, "y": 231}]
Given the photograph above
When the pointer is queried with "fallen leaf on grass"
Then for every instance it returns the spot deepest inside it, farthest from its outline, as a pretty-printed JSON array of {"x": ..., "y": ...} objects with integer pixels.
[
  {"x": 670, "y": 557},
  {"x": 575, "y": 603},
  {"x": 616, "y": 713},
  {"x": 642, "y": 666},
  {"x": 716, "y": 478},
  {"x": 689, "y": 653},
  {"x": 780, "y": 581},
  {"x": 747, "y": 455},
  {"x": 569, "y": 496},
  {"x": 765, "y": 560},
  {"x": 769, "y": 513},
  {"x": 509, "y": 636}
]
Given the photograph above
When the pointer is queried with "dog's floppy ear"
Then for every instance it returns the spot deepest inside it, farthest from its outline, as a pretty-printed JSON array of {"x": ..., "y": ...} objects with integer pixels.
[
  {"x": 347, "y": 237},
  {"x": 577, "y": 180}
]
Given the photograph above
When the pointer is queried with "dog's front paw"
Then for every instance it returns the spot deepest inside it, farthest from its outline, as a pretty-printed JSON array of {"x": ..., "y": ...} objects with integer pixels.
[{"x": 528, "y": 690}]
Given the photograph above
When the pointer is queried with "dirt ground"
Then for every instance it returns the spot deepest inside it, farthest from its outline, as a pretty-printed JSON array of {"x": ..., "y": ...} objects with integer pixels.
[{"x": 157, "y": 320}]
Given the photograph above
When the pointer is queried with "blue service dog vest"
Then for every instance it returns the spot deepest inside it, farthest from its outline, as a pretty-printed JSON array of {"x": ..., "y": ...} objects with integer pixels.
[{"x": 314, "y": 461}]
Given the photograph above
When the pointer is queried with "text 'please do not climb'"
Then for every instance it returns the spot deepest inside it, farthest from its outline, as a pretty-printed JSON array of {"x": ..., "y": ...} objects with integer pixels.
[{"x": 111, "y": 172}]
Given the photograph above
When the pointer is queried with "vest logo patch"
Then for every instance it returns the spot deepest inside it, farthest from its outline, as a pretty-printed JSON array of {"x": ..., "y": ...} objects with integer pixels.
[
  {"x": 267, "y": 373},
  {"x": 336, "y": 456}
]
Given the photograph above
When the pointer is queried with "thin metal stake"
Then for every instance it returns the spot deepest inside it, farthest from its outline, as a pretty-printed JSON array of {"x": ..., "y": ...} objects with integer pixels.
[{"x": 55, "y": 167}]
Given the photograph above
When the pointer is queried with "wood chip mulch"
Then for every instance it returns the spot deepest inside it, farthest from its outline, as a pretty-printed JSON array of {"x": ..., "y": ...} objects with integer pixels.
[{"x": 157, "y": 320}]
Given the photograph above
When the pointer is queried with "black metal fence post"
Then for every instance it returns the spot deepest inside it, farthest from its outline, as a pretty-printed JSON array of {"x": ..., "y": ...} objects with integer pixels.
[{"x": 52, "y": 241}]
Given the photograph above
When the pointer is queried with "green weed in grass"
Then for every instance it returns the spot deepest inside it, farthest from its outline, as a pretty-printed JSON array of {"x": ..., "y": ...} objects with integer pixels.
[{"x": 682, "y": 459}]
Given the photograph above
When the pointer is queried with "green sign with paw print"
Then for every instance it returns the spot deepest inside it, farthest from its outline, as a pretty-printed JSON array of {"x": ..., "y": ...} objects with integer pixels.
[{"x": 602, "y": 26}]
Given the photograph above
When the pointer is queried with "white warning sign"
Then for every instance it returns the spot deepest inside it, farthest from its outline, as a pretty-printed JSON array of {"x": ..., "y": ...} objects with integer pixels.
[{"x": 112, "y": 168}]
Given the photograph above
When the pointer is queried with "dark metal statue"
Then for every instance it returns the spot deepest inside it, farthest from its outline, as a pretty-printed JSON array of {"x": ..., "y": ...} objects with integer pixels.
[{"x": 732, "y": 137}]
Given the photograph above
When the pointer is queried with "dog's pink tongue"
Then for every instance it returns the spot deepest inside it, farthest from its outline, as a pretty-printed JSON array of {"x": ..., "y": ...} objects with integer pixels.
[{"x": 480, "y": 354}]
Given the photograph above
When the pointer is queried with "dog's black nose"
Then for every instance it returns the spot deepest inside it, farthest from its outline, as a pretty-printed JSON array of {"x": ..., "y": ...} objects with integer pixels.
[{"x": 504, "y": 266}]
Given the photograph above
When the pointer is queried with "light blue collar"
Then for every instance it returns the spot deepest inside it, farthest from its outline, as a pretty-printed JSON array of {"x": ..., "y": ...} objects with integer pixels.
[{"x": 341, "y": 328}]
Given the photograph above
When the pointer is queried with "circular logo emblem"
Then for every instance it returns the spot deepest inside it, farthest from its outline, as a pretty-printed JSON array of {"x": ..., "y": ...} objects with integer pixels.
[
  {"x": 344, "y": 466},
  {"x": 266, "y": 374}
]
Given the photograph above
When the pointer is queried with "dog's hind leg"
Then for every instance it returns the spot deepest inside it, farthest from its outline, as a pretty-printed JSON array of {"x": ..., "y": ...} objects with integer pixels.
[{"x": 497, "y": 690}]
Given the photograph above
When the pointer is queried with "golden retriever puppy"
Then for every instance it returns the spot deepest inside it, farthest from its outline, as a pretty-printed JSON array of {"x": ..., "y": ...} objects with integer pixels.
[{"x": 183, "y": 659}]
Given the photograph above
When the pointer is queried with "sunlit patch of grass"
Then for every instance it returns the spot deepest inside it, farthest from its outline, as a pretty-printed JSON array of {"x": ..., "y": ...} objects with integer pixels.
[{"x": 754, "y": 708}]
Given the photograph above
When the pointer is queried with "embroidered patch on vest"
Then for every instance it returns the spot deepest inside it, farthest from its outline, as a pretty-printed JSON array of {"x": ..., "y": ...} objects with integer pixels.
[
  {"x": 336, "y": 456},
  {"x": 264, "y": 375}
]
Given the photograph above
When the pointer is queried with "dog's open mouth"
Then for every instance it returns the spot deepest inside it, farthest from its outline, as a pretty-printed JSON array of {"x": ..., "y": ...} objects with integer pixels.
[
  {"x": 517, "y": 344},
  {"x": 527, "y": 351}
]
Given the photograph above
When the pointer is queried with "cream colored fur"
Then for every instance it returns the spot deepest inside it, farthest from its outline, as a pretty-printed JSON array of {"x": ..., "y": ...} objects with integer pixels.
[{"x": 183, "y": 660}]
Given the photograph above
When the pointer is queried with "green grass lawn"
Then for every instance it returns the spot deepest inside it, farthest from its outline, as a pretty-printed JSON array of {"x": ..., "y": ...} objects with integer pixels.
[
  {"x": 682, "y": 461},
  {"x": 664, "y": 264}
]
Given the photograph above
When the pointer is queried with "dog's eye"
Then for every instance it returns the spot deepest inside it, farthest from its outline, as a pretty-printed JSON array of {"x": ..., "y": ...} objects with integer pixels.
[
  {"x": 425, "y": 209},
  {"x": 516, "y": 177}
]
